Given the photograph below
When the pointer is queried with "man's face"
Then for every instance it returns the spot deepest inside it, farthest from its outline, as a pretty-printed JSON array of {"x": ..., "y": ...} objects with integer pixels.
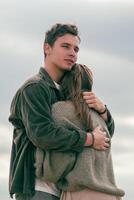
[{"x": 63, "y": 54}]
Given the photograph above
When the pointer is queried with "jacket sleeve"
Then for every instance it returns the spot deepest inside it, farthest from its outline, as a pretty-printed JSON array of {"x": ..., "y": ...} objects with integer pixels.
[
  {"x": 40, "y": 126},
  {"x": 110, "y": 123}
]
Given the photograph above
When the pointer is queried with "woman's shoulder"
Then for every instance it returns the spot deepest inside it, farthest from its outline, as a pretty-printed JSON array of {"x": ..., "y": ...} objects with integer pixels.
[
  {"x": 63, "y": 104},
  {"x": 64, "y": 109}
]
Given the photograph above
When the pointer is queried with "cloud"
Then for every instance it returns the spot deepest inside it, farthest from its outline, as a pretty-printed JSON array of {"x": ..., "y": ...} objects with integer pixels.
[
  {"x": 5, "y": 146},
  {"x": 4, "y": 194},
  {"x": 6, "y": 137},
  {"x": 123, "y": 151},
  {"x": 128, "y": 121},
  {"x": 108, "y": 27}
]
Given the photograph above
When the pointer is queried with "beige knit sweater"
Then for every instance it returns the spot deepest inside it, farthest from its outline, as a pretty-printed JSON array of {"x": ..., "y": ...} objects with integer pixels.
[{"x": 72, "y": 171}]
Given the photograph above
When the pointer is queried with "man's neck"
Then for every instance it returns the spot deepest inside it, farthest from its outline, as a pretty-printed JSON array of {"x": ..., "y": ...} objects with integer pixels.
[{"x": 53, "y": 72}]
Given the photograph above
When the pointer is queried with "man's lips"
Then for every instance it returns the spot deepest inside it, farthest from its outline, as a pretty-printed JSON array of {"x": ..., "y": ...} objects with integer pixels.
[{"x": 70, "y": 61}]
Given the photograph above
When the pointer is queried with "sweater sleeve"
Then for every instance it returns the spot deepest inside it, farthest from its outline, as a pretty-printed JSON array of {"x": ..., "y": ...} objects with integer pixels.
[{"x": 40, "y": 126}]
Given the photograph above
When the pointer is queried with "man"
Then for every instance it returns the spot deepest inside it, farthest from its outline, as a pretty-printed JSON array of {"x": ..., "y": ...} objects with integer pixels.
[{"x": 33, "y": 122}]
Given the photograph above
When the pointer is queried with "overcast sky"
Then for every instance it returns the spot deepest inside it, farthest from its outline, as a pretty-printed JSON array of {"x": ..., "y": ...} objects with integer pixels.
[{"x": 107, "y": 46}]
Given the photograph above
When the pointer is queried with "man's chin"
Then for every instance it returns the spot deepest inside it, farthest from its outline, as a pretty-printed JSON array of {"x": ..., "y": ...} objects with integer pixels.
[{"x": 68, "y": 68}]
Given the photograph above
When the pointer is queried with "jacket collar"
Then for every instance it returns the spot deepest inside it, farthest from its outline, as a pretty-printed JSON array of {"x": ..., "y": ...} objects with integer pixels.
[{"x": 43, "y": 73}]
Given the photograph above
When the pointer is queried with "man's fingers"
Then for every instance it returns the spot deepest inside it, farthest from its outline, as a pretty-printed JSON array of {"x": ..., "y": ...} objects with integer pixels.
[
  {"x": 106, "y": 145},
  {"x": 98, "y": 127},
  {"x": 104, "y": 133},
  {"x": 87, "y": 93},
  {"x": 107, "y": 139},
  {"x": 90, "y": 102},
  {"x": 104, "y": 148}
]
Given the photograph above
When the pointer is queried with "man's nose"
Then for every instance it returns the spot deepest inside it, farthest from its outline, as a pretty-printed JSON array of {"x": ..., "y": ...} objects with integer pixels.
[{"x": 73, "y": 53}]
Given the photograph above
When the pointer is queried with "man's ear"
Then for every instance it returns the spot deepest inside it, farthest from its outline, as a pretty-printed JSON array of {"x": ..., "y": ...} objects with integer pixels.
[{"x": 47, "y": 49}]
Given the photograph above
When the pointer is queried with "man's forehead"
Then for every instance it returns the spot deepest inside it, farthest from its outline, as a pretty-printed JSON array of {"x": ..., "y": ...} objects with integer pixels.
[{"x": 69, "y": 39}]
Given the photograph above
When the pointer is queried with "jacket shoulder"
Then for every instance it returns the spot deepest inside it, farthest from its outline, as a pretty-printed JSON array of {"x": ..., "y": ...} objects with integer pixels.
[
  {"x": 33, "y": 84},
  {"x": 34, "y": 80}
]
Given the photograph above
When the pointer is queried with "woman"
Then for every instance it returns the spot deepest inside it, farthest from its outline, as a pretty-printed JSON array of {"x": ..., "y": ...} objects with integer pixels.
[{"x": 89, "y": 174}]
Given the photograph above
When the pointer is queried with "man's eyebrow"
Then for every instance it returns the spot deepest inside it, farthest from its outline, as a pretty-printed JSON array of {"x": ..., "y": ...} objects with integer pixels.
[{"x": 66, "y": 43}]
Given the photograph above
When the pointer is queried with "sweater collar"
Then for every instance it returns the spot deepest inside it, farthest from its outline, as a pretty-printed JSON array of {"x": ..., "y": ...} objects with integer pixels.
[{"x": 43, "y": 73}]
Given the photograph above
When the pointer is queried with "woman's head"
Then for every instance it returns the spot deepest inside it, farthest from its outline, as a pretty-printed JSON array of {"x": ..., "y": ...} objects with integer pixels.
[
  {"x": 78, "y": 80},
  {"x": 74, "y": 83}
]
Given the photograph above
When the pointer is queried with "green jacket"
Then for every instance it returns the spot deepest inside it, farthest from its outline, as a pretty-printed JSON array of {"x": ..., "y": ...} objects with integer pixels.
[{"x": 34, "y": 127}]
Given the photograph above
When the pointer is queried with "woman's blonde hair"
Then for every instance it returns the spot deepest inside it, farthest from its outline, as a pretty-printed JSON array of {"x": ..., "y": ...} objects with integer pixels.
[{"x": 78, "y": 80}]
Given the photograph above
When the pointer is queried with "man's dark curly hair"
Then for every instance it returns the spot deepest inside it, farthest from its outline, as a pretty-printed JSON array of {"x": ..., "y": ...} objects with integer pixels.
[{"x": 59, "y": 30}]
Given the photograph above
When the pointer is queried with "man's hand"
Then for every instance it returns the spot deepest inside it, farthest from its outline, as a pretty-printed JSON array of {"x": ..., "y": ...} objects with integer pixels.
[
  {"x": 101, "y": 141},
  {"x": 94, "y": 102}
]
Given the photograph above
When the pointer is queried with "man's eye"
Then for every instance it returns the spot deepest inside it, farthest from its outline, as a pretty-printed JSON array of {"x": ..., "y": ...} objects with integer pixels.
[
  {"x": 76, "y": 50},
  {"x": 65, "y": 46}
]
